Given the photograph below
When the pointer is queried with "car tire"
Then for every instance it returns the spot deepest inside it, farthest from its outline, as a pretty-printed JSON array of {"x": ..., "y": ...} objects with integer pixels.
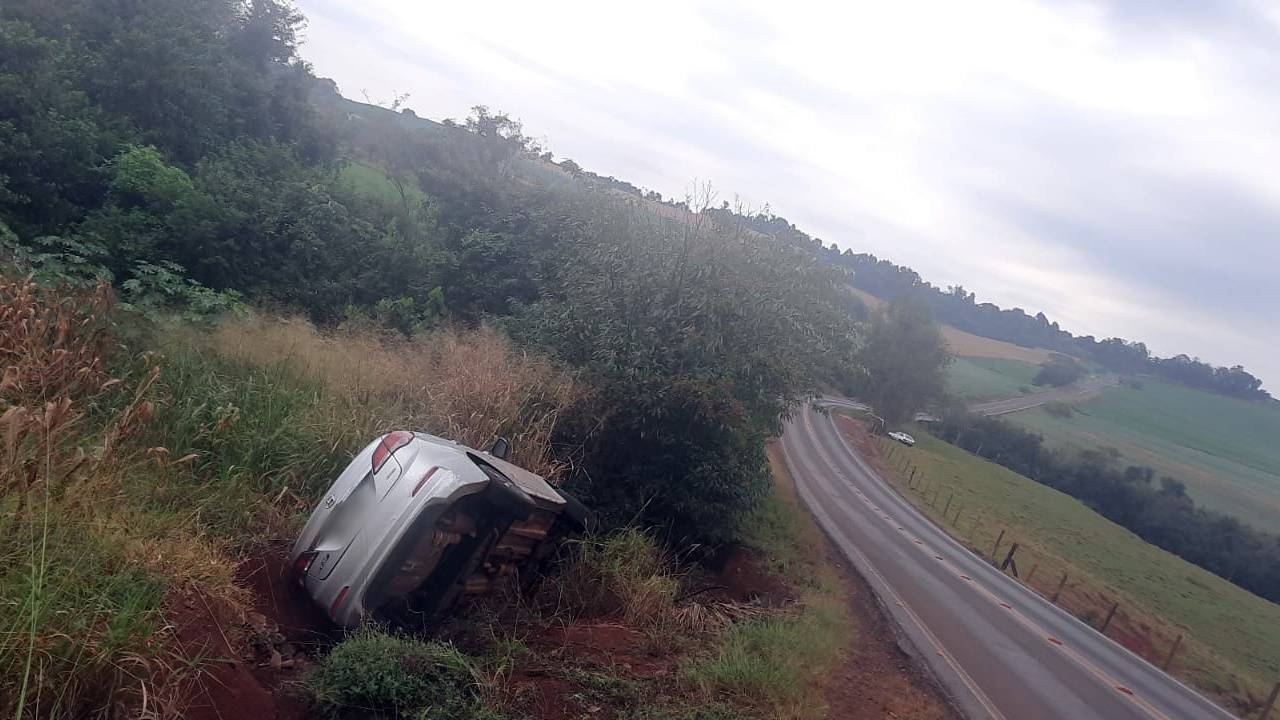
[
  {"x": 576, "y": 515},
  {"x": 508, "y": 499}
]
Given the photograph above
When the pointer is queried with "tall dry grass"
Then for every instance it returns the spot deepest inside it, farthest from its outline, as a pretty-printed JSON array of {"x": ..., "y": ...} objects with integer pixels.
[
  {"x": 468, "y": 385},
  {"x": 82, "y": 576}
]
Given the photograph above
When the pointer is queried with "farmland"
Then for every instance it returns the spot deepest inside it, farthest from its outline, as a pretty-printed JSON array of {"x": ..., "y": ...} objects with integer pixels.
[
  {"x": 1223, "y": 448},
  {"x": 969, "y": 345},
  {"x": 1232, "y": 644},
  {"x": 983, "y": 378}
]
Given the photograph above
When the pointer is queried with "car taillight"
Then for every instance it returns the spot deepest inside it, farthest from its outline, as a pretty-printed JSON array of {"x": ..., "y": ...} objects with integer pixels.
[
  {"x": 337, "y": 602},
  {"x": 424, "y": 480},
  {"x": 303, "y": 564},
  {"x": 391, "y": 442}
]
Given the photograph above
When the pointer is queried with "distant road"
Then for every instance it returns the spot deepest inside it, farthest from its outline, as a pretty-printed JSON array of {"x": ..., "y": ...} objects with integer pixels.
[
  {"x": 1001, "y": 651},
  {"x": 1036, "y": 399}
]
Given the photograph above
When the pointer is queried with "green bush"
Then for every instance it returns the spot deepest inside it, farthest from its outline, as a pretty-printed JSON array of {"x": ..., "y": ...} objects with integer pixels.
[
  {"x": 374, "y": 674},
  {"x": 1058, "y": 408},
  {"x": 625, "y": 573}
]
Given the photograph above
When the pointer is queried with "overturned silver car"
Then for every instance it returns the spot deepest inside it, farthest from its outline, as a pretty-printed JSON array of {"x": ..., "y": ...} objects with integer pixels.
[{"x": 416, "y": 522}]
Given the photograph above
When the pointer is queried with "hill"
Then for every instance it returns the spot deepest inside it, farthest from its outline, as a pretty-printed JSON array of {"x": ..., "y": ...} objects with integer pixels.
[{"x": 1223, "y": 449}]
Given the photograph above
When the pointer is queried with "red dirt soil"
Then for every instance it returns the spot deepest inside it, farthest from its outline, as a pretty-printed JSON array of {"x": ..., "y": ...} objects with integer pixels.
[
  {"x": 739, "y": 576},
  {"x": 538, "y": 688},
  {"x": 281, "y": 636}
]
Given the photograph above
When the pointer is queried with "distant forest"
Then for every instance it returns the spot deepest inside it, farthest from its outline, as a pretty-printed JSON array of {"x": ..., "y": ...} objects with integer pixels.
[{"x": 959, "y": 308}]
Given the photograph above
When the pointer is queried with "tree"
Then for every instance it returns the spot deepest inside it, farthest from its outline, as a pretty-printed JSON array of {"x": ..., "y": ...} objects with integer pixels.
[
  {"x": 1059, "y": 371},
  {"x": 698, "y": 337},
  {"x": 904, "y": 360}
]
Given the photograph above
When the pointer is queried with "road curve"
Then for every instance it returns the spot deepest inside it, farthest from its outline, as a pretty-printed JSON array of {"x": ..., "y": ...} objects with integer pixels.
[
  {"x": 1000, "y": 650},
  {"x": 1036, "y": 399}
]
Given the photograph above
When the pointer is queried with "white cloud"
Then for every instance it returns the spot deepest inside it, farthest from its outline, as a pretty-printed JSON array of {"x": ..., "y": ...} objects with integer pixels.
[{"x": 1042, "y": 154}]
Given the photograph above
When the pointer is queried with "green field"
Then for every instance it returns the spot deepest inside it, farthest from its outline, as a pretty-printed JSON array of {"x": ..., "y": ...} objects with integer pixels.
[
  {"x": 1232, "y": 644},
  {"x": 371, "y": 181},
  {"x": 980, "y": 378},
  {"x": 1226, "y": 450}
]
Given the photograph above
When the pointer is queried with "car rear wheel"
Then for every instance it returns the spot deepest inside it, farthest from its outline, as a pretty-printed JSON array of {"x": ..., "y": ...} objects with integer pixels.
[
  {"x": 576, "y": 515},
  {"x": 506, "y": 498}
]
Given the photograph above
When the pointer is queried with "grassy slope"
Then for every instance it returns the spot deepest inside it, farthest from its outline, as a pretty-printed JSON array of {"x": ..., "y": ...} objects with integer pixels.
[
  {"x": 979, "y": 378},
  {"x": 1230, "y": 632},
  {"x": 1224, "y": 449},
  {"x": 369, "y": 180},
  {"x": 969, "y": 345}
]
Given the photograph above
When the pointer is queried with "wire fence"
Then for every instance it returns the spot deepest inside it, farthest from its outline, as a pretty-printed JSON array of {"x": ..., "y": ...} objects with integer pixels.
[{"x": 1050, "y": 577}]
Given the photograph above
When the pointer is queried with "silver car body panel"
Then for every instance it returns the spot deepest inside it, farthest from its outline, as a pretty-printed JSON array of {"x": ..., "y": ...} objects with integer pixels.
[{"x": 364, "y": 516}]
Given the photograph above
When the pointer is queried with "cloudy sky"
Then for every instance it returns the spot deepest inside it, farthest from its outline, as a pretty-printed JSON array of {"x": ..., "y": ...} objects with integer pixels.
[{"x": 1114, "y": 164}]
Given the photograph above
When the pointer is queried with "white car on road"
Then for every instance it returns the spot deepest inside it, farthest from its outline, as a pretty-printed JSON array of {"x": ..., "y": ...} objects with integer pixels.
[{"x": 903, "y": 438}]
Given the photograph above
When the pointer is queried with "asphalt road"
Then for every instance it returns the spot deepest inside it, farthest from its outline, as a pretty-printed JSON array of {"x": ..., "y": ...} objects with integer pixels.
[
  {"x": 1036, "y": 399},
  {"x": 1000, "y": 650}
]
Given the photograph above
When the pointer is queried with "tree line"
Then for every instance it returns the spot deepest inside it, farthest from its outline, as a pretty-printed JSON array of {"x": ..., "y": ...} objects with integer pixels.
[
  {"x": 1157, "y": 510},
  {"x": 183, "y": 150},
  {"x": 958, "y": 307}
]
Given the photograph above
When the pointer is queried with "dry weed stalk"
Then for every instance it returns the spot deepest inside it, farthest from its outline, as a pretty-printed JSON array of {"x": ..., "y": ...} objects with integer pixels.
[
  {"x": 469, "y": 385},
  {"x": 63, "y": 458}
]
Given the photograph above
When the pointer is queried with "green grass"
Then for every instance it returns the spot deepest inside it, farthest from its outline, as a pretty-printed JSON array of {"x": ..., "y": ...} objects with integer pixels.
[
  {"x": 1233, "y": 636},
  {"x": 774, "y": 659},
  {"x": 75, "y": 608},
  {"x": 1224, "y": 449},
  {"x": 373, "y": 674},
  {"x": 972, "y": 378},
  {"x": 370, "y": 181}
]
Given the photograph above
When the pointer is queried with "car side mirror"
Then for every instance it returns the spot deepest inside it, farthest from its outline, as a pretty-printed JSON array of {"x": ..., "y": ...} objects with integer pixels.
[{"x": 500, "y": 448}]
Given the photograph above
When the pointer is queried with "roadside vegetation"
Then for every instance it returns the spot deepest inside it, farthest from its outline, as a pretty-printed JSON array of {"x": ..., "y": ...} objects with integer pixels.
[
  {"x": 218, "y": 290},
  {"x": 1230, "y": 647}
]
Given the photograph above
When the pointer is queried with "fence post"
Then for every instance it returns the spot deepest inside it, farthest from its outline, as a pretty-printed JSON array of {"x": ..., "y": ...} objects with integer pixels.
[
  {"x": 947, "y": 509},
  {"x": 1271, "y": 702},
  {"x": 1110, "y": 614},
  {"x": 955, "y": 521},
  {"x": 1058, "y": 592},
  {"x": 1008, "y": 560},
  {"x": 1033, "y": 572},
  {"x": 913, "y": 475},
  {"x": 996, "y": 547},
  {"x": 1168, "y": 660}
]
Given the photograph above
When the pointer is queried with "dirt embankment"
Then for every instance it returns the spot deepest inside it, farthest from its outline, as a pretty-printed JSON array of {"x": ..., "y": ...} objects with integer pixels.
[{"x": 256, "y": 666}]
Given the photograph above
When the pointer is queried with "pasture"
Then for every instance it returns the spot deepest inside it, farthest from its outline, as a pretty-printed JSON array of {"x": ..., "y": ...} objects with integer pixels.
[
  {"x": 984, "y": 378},
  {"x": 1224, "y": 449}
]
